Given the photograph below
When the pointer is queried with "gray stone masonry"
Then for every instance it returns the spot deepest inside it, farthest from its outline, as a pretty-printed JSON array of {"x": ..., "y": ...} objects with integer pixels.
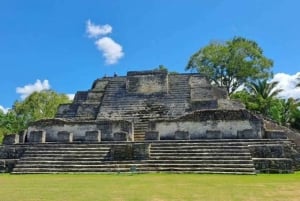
[
  {"x": 213, "y": 134},
  {"x": 121, "y": 136},
  {"x": 275, "y": 134},
  {"x": 139, "y": 151},
  {"x": 64, "y": 136},
  {"x": 182, "y": 135},
  {"x": 152, "y": 135},
  {"x": 93, "y": 136},
  {"x": 246, "y": 134},
  {"x": 37, "y": 137},
  {"x": 11, "y": 139}
]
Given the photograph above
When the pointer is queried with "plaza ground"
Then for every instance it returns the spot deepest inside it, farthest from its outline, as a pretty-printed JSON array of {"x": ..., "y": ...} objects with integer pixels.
[{"x": 150, "y": 187}]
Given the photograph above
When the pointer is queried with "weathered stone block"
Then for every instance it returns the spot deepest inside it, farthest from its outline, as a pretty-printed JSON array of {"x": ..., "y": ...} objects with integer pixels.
[
  {"x": 37, "y": 137},
  {"x": 121, "y": 136},
  {"x": 182, "y": 135},
  {"x": 7, "y": 165},
  {"x": 275, "y": 134},
  {"x": 168, "y": 136},
  {"x": 204, "y": 104},
  {"x": 213, "y": 134},
  {"x": 64, "y": 136},
  {"x": 246, "y": 134},
  {"x": 147, "y": 82},
  {"x": 152, "y": 135},
  {"x": 121, "y": 152},
  {"x": 138, "y": 151},
  {"x": 11, "y": 139},
  {"x": 23, "y": 137},
  {"x": 273, "y": 165},
  {"x": 141, "y": 151},
  {"x": 93, "y": 136},
  {"x": 267, "y": 151}
]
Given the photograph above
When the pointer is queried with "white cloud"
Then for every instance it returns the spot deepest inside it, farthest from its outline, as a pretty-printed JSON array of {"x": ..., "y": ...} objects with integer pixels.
[
  {"x": 111, "y": 50},
  {"x": 71, "y": 96},
  {"x": 5, "y": 110},
  {"x": 95, "y": 31},
  {"x": 288, "y": 84},
  {"x": 30, "y": 88}
]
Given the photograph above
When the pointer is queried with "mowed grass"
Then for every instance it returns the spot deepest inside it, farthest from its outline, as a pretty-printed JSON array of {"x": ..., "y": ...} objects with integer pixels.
[{"x": 150, "y": 187}]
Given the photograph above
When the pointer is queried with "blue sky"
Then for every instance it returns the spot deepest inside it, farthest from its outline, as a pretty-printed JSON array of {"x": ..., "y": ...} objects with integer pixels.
[{"x": 65, "y": 44}]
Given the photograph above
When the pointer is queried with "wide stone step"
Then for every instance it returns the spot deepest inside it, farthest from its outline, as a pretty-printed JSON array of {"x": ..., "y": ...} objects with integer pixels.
[
  {"x": 144, "y": 166},
  {"x": 61, "y": 158},
  {"x": 65, "y": 155},
  {"x": 198, "y": 149},
  {"x": 202, "y": 157},
  {"x": 55, "y": 151},
  {"x": 215, "y": 170},
  {"x": 200, "y": 153},
  {"x": 158, "y": 162}
]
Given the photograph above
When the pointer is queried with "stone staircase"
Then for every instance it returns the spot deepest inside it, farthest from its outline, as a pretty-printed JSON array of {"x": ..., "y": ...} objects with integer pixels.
[
  {"x": 206, "y": 156},
  {"x": 201, "y": 157},
  {"x": 139, "y": 131}
]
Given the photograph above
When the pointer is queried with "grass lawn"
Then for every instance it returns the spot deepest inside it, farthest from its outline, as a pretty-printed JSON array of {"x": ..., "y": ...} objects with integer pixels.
[{"x": 150, "y": 187}]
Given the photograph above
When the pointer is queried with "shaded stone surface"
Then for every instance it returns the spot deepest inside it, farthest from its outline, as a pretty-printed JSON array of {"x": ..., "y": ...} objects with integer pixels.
[
  {"x": 93, "y": 136},
  {"x": 64, "y": 136},
  {"x": 267, "y": 151},
  {"x": 139, "y": 151},
  {"x": 152, "y": 135},
  {"x": 11, "y": 139},
  {"x": 275, "y": 134},
  {"x": 246, "y": 134},
  {"x": 213, "y": 134},
  {"x": 7, "y": 165},
  {"x": 182, "y": 135},
  {"x": 273, "y": 165},
  {"x": 37, "y": 137},
  {"x": 120, "y": 136}
]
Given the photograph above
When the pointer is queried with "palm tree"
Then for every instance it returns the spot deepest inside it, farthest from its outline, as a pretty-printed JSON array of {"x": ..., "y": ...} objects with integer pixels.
[{"x": 263, "y": 92}]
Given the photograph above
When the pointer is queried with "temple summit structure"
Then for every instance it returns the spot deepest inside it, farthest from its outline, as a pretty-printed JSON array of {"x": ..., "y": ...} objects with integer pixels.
[{"x": 152, "y": 121}]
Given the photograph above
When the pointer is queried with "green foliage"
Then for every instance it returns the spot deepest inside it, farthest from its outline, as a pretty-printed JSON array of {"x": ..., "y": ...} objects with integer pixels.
[
  {"x": 37, "y": 106},
  {"x": 261, "y": 97},
  {"x": 231, "y": 64},
  {"x": 285, "y": 111},
  {"x": 263, "y": 94},
  {"x": 296, "y": 121}
]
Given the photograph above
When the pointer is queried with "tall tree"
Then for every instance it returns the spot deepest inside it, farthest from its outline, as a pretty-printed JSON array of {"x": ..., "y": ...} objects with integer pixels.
[
  {"x": 231, "y": 64},
  {"x": 39, "y": 105},
  {"x": 36, "y": 106},
  {"x": 263, "y": 93}
]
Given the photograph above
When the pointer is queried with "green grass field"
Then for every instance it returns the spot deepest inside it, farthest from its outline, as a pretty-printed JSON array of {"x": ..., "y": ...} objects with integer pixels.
[{"x": 152, "y": 187}]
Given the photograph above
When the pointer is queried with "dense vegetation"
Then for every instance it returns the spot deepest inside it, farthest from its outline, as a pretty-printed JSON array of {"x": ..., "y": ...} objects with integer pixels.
[
  {"x": 37, "y": 106},
  {"x": 240, "y": 63}
]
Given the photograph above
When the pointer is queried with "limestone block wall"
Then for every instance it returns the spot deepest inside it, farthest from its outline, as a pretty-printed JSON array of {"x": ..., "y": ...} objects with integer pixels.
[
  {"x": 209, "y": 129},
  {"x": 107, "y": 129},
  {"x": 147, "y": 82},
  {"x": 212, "y": 124}
]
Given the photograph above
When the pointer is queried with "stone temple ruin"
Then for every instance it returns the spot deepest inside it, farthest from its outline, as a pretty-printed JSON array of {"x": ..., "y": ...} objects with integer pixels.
[{"x": 152, "y": 121}]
